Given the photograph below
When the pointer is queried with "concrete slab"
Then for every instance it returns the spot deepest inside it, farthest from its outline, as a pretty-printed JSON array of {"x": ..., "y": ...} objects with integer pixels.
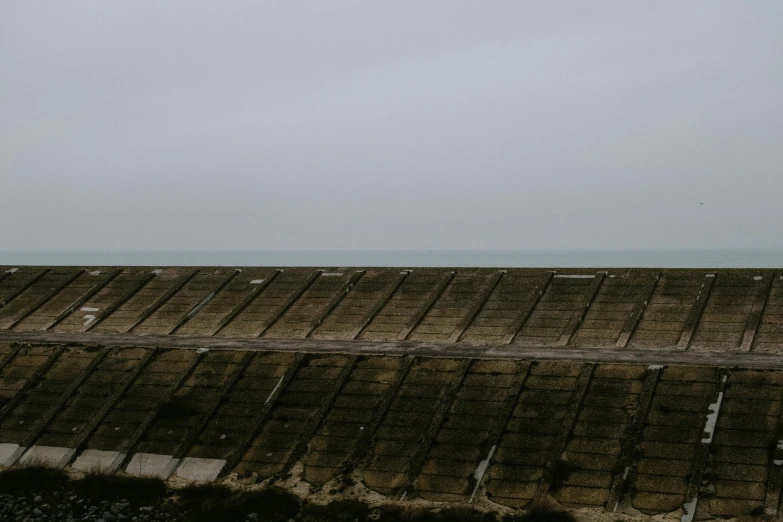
[
  {"x": 49, "y": 456},
  {"x": 200, "y": 470},
  {"x": 98, "y": 461},
  {"x": 151, "y": 465},
  {"x": 9, "y": 453}
]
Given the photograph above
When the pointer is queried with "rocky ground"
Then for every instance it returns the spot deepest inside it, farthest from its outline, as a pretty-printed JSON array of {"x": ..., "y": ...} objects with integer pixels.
[{"x": 43, "y": 495}]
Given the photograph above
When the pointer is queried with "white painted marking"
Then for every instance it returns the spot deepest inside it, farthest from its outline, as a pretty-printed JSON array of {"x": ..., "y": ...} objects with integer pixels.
[
  {"x": 331, "y": 274},
  {"x": 712, "y": 418},
  {"x": 479, "y": 473},
  {"x": 91, "y": 461},
  {"x": 49, "y": 456},
  {"x": 690, "y": 509},
  {"x": 625, "y": 472},
  {"x": 710, "y": 275},
  {"x": 574, "y": 276},
  {"x": 151, "y": 465},
  {"x": 273, "y": 391},
  {"x": 9, "y": 453},
  {"x": 256, "y": 281},
  {"x": 758, "y": 278},
  {"x": 201, "y": 304},
  {"x": 655, "y": 367},
  {"x": 12, "y": 270},
  {"x": 89, "y": 309},
  {"x": 779, "y": 462},
  {"x": 200, "y": 470},
  {"x": 88, "y": 319},
  {"x": 95, "y": 272},
  {"x": 202, "y": 350},
  {"x": 157, "y": 271}
]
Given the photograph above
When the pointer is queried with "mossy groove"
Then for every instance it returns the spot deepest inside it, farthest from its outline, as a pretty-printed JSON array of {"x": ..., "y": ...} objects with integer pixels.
[
  {"x": 760, "y": 303},
  {"x": 45, "y": 298},
  {"x": 109, "y": 403},
  {"x": 193, "y": 310},
  {"x": 235, "y": 455},
  {"x": 492, "y": 283},
  {"x": 578, "y": 316},
  {"x": 160, "y": 301},
  {"x": 633, "y": 320},
  {"x": 315, "y": 420},
  {"x": 44, "y": 420},
  {"x": 364, "y": 443},
  {"x": 119, "y": 302},
  {"x": 558, "y": 446},
  {"x": 416, "y": 462},
  {"x": 184, "y": 446},
  {"x": 697, "y": 310},
  {"x": 502, "y": 418},
  {"x": 625, "y": 475},
  {"x": 283, "y": 308},
  {"x": 258, "y": 290},
  {"x": 421, "y": 313},
  {"x": 8, "y": 359},
  {"x": 134, "y": 439},
  {"x": 532, "y": 302},
  {"x": 703, "y": 452},
  {"x": 97, "y": 287},
  {"x": 399, "y": 280},
  {"x": 7, "y": 299},
  {"x": 333, "y": 303},
  {"x": 32, "y": 381}
]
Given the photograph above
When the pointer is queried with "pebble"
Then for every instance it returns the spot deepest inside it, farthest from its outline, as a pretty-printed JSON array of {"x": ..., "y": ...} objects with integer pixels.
[{"x": 64, "y": 506}]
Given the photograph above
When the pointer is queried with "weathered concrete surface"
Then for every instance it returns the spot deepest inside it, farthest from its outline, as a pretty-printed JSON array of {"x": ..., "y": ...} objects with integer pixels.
[
  {"x": 406, "y": 426},
  {"x": 722, "y": 310},
  {"x": 670, "y": 356},
  {"x": 151, "y": 465},
  {"x": 10, "y": 453},
  {"x": 96, "y": 461},
  {"x": 50, "y": 456},
  {"x": 194, "y": 469},
  {"x": 504, "y": 388}
]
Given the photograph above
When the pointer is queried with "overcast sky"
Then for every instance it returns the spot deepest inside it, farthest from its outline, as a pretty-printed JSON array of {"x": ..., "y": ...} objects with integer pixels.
[{"x": 391, "y": 125}]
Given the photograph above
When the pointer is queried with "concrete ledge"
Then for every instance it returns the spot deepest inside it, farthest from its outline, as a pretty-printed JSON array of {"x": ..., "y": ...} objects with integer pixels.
[
  {"x": 151, "y": 465},
  {"x": 200, "y": 470},
  {"x": 49, "y": 456},
  {"x": 98, "y": 461},
  {"x": 766, "y": 361},
  {"x": 9, "y": 453}
]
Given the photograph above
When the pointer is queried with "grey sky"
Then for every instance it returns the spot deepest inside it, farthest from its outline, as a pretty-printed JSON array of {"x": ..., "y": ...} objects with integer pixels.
[{"x": 293, "y": 125}]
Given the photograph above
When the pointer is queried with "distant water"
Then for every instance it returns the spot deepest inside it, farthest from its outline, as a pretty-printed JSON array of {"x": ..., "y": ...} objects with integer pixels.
[{"x": 660, "y": 258}]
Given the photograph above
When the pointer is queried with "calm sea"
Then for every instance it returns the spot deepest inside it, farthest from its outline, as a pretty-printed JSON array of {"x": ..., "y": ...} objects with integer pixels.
[{"x": 662, "y": 258}]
